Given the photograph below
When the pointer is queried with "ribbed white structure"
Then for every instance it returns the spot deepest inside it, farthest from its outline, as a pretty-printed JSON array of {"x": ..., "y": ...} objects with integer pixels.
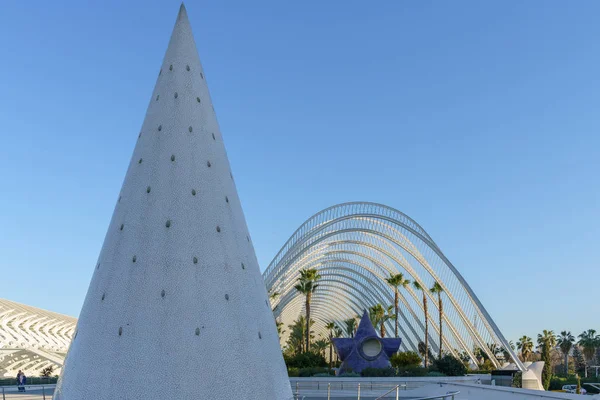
[
  {"x": 177, "y": 308},
  {"x": 355, "y": 247},
  {"x": 32, "y": 339}
]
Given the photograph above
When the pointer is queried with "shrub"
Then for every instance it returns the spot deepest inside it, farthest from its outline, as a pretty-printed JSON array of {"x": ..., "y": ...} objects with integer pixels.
[
  {"x": 31, "y": 380},
  {"x": 378, "y": 372},
  {"x": 305, "y": 360},
  {"x": 349, "y": 374},
  {"x": 517, "y": 380},
  {"x": 314, "y": 371},
  {"x": 450, "y": 366},
  {"x": 47, "y": 372},
  {"x": 293, "y": 372},
  {"x": 487, "y": 366},
  {"x": 412, "y": 371},
  {"x": 405, "y": 359},
  {"x": 557, "y": 383},
  {"x": 435, "y": 373}
]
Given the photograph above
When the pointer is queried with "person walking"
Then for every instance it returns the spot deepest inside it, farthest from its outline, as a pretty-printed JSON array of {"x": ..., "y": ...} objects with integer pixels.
[{"x": 21, "y": 381}]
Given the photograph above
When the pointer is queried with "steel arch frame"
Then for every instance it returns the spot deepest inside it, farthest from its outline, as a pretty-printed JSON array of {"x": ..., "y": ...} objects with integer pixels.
[{"x": 368, "y": 240}]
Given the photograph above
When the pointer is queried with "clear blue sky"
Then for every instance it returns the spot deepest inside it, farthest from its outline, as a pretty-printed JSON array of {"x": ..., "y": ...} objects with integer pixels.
[{"x": 480, "y": 120}]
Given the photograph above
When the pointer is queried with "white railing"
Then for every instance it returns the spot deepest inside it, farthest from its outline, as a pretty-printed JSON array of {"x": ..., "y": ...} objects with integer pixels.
[
  {"x": 449, "y": 395},
  {"x": 366, "y": 389},
  {"x": 45, "y": 390}
]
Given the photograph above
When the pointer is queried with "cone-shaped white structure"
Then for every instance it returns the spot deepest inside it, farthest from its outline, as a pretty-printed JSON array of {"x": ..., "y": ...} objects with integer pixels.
[{"x": 177, "y": 308}]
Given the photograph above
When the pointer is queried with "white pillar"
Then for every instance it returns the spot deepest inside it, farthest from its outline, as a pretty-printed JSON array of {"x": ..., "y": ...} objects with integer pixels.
[{"x": 177, "y": 308}]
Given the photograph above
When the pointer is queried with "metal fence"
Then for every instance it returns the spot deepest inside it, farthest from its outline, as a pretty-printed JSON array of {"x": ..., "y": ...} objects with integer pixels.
[
  {"x": 378, "y": 390},
  {"x": 43, "y": 390}
]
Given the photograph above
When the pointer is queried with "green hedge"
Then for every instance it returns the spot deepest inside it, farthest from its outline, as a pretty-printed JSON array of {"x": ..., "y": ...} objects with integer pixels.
[
  {"x": 450, "y": 366},
  {"x": 556, "y": 383},
  {"x": 306, "y": 372},
  {"x": 367, "y": 372},
  {"x": 413, "y": 371},
  {"x": 305, "y": 360},
  {"x": 405, "y": 359},
  {"x": 31, "y": 380},
  {"x": 378, "y": 372}
]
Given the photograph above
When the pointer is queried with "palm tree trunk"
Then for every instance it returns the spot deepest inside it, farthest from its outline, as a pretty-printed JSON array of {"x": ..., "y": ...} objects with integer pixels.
[
  {"x": 396, "y": 305},
  {"x": 567, "y": 364},
  {"x": 382, "y": 330},
  {"x": 441, "y": 313},
  {"x": 308, "y": 299},
  {"x": 330, "y": 349},
  {"x": 426, "y": 330}
]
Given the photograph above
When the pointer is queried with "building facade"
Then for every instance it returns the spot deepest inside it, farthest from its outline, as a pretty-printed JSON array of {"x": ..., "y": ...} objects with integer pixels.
[{"x": 32, "y": 339}]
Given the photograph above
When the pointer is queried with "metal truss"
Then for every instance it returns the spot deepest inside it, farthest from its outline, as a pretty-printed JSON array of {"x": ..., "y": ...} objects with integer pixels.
[
  {"x": 355, "y": 246},
  {"x": 32, "y": 339}
]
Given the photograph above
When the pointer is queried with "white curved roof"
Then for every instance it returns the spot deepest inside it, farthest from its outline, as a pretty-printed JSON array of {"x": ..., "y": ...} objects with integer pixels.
[
  {"x": 31, "y": 338},
  {"x": 355, "y": 246}
]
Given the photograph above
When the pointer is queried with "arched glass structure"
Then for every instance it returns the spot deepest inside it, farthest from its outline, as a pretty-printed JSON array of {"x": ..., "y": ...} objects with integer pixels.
[{"x": 355, "y": 246}]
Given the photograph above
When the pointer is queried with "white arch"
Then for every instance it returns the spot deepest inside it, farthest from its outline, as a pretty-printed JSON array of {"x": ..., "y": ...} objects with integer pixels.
[
  {"x": 33, "y": 338},
  {"x": 357, "y": 244}
]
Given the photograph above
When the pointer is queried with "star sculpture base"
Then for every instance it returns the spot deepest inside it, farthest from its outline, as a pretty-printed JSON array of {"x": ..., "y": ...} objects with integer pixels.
[{"x": 366, "y": 349}]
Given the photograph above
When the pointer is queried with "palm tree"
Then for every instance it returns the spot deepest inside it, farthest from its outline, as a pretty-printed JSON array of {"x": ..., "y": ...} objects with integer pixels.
[
  {"x": 337, "y": 332},
  {"x": 330, "y": 326},
  {"x": 588, "y": 340},
  {"x": 418, "y": 286},
  {"x": 321, "y": 346},
  {"x": 565, "y": 341},
  {"x": 376, "y": 314},
  {"x": 280, "y": 330},
  {"x": 506, "y": 353},
  {"x": 350, "y": 327},
  {"x": 525, "y": 344},
  {"x": 373, "y": 315},
  {"x": 379, "y": 316},
  {"x": 390, "y": 315},
  {"x": 481, "y": 354},
  {"x": 296, "y": 338},
  {"x": 494, "y": 349},
  {"x": 546, "y": 338},
  {"x": 307, "y": 284},
  {"x": 395, "y": 281},
  {"x": 272, "y": 297},
  {"x": 437, "y": 289}
]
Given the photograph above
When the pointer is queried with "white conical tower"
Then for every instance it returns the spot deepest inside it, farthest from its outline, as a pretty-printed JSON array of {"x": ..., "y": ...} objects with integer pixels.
[{"x": 177, "y": 308}]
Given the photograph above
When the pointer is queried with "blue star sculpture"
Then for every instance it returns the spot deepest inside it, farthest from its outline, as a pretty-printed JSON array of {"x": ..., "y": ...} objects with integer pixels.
[{"x": 366, "y": 349}]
